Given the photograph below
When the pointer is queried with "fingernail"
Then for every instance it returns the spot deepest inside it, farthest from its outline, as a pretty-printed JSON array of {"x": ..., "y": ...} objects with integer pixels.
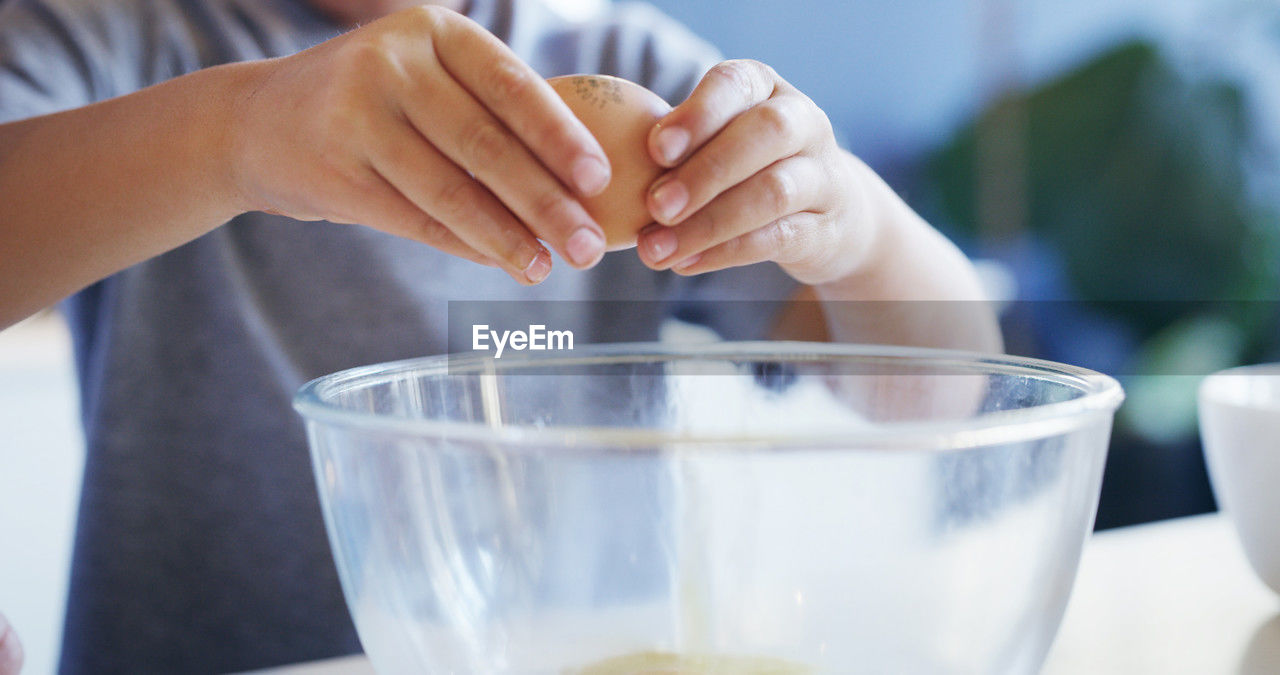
[
  {"x": 660, "y": 244},
  {"x": 670, "y": 198},
  {"x": 671, "y": 143},
  {"x": 687, "y": 262},
  {"x": 590, "y": 175},
  {"x": 584, "y": 247},
  {"x": 539, "y": 268}
]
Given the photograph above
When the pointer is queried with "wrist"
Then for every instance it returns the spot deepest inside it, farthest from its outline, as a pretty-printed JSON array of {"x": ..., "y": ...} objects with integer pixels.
[{"x": 228, "y": 139}]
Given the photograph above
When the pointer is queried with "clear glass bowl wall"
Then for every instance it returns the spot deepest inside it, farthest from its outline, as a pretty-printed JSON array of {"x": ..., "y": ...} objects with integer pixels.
[{"x": 824, "y": 508}]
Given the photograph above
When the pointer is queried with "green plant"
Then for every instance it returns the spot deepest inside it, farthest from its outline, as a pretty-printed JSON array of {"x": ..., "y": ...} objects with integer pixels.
[{"x": 1135, "y": 175}]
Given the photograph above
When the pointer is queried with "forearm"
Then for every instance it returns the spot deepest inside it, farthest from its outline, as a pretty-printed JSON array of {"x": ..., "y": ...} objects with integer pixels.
[
  {"x": 90, "y": 191},
  {"x": 912, "y": 286}
]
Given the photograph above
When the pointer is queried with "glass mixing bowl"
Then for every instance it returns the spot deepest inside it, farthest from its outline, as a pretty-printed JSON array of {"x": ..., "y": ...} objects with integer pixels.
[{"x": 731, "y": 508}]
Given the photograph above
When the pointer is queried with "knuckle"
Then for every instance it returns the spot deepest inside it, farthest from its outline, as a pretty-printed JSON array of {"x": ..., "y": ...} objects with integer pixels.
[
  {"x": 766, "y": 242},
  {"x": 484, "y": 145},
  {"x": 817, "y": 123},
  {"x": 822, "y": 119},
  {"x": 779, "y": 190},
  {"x": 510, "y": 81},
  {"x": 549, "y": 207},
  {"x": 713, "y": 168},
  {"x": 732, "y": 248},
  {"x": 778, "y": 121},
  {"x": 745, "y": 77},
  {"x": 767, "y": 70},
  {"x": 432, "y": 231},
  {"x": 453, "y": 199},
  {"x": 713, "y": 228},
  {"x": 369, "y": 55},
  {"x": 425, "y": 15},
  {"x": 792, "y": 239},
  {"x": 779, "y": 233},
  {"x": 364, "y": 65},
  {"x": 735, "y": 76}
]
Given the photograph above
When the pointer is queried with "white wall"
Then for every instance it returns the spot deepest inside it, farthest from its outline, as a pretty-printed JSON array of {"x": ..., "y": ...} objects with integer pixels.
[
  {"x": 897, "y": 76},
  {"x": 41, "y": 457}
]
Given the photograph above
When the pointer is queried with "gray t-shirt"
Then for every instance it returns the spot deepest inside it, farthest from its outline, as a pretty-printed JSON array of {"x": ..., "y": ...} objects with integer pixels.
[{"x": 200, "y": 546}]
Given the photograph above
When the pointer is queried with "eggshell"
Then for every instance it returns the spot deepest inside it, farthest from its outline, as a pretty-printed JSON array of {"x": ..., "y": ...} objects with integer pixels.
[{"x": 619, "y": 114}]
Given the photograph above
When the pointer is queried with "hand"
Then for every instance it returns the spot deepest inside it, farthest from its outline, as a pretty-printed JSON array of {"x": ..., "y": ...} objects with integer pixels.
[
  {"x": 11, "y": 655},
  {"x": 423, "y": 125},
  {"x": 755, "y": 175}
]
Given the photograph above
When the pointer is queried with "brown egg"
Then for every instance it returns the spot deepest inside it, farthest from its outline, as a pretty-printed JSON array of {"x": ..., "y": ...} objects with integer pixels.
[{"x": 619, "y": 114}]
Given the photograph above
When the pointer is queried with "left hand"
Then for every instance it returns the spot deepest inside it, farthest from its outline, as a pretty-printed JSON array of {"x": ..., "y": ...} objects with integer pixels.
[{"x": 755, "y": 174}]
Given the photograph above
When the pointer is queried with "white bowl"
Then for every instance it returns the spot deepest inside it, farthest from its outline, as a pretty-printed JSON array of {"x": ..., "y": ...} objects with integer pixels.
[{"x": 1240, "y": 428}]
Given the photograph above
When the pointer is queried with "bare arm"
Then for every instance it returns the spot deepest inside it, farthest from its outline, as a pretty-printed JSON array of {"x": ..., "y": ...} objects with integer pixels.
[
  {"x": 84, "y": 190},
  {"x": 421, "y": 124}
]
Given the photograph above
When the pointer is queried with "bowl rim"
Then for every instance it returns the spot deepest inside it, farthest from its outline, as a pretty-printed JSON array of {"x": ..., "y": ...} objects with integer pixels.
[{"x": 1102, "y": 395}]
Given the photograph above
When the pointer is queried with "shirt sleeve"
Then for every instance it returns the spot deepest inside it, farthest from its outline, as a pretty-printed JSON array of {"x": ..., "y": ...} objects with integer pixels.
[
  {"x": 61, "y": 54},
  {"x": 630, "y": 40},
  {"x": 637, "y": 42},
  {"x": 49, "y": 59}
]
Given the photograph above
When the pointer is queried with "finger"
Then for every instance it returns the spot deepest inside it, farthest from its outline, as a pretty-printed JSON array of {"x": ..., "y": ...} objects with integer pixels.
[
  {"x": 404, "y": 219},
  {"x": 789, "y": 186},
  {"x": 434, "y": 185},
  {"x": 362, "y": 196},
  {"x": 727, "y": 90},
  {"x": 382, "y": 207},
  {"x": 523, "y": 101},
  {"x": 793, "y": 232},
  {"x": 479, "y": 143},
  {"x": 778, "y": 127}
]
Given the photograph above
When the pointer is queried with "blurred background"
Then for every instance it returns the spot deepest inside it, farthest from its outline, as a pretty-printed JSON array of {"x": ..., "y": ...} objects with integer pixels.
[{"x": 1117, "y": 158}]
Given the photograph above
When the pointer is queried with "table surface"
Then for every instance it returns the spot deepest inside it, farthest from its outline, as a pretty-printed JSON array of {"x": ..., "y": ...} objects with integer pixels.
[{"x": 1171, "y": 597}]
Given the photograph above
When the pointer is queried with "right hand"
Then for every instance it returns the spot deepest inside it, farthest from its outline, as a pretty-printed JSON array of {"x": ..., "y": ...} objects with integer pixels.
[
  {"x": 424, "y": 125},
  {"x": 11, "y": 655}
]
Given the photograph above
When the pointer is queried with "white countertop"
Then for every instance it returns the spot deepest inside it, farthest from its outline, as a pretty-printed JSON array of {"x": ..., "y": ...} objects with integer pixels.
[{"x": 1171, "y": 597}]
